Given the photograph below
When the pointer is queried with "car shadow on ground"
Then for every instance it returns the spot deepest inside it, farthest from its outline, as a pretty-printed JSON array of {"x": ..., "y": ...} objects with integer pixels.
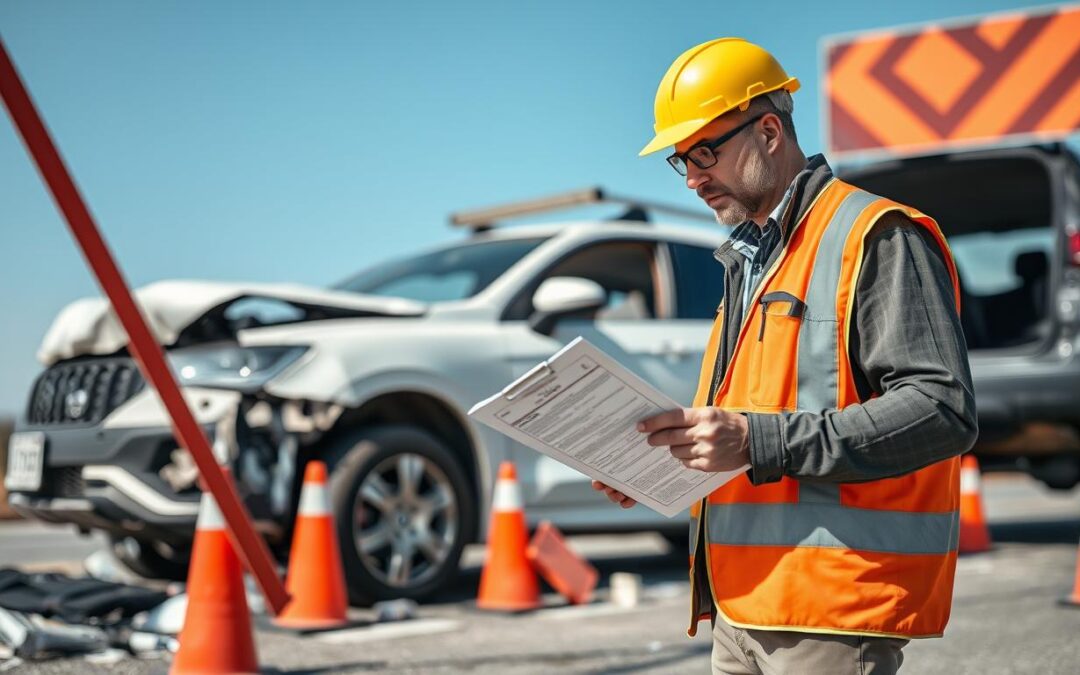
[
  {"x": 1058, "y": 531},
  {"x": 656, "y": 568}
]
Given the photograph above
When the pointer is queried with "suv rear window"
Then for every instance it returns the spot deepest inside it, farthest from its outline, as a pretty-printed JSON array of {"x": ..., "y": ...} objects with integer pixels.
[{"x": 997, "y": 214}]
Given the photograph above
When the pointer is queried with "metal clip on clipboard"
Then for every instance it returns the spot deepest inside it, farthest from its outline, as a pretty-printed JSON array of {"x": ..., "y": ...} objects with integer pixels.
[{"x": 540, "y": 374}]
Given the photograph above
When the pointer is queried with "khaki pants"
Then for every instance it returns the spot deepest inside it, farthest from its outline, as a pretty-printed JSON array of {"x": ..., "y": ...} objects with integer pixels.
[{"x": 769, "y": 652}]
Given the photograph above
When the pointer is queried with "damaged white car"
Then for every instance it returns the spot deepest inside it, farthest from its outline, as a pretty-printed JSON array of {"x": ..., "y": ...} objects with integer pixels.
[{"x": 374, "y": 376}]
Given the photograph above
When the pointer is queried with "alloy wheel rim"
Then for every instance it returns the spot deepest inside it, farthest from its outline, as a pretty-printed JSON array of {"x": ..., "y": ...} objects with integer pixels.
[{"x": 405, "y": 517}]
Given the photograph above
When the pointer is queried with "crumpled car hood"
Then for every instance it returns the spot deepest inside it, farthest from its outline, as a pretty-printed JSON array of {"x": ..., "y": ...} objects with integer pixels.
[{"x": 89, "y": 326}]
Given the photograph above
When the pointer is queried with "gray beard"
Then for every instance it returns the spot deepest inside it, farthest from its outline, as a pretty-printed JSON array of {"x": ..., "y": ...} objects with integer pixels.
[
  {"x": 757, "y": 183},
  {"x": 733, "y": 215}
]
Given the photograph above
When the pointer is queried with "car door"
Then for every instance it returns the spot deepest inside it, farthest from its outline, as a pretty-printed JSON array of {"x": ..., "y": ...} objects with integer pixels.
[
  {"x": 637, "y": 326},
  {"x": 699, "y": 287}
]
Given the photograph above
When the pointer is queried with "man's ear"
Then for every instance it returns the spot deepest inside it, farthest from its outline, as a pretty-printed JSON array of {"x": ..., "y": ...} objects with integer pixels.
[{"x": 773, "y": 130}]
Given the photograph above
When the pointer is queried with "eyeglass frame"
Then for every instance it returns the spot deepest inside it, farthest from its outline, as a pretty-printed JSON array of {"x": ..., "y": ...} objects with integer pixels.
[{"x": 711, "y": 145}]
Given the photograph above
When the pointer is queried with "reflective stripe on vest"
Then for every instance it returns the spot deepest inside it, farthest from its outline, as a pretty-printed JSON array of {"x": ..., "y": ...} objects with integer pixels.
[
  {"x": 833, "y": 526},
  {"x": 818, "y": 366},
  {"x": 874, "y": 558}
]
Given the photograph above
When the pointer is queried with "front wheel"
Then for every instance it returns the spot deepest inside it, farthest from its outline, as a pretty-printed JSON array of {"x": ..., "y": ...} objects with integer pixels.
[{"x": 404, "y": 510}]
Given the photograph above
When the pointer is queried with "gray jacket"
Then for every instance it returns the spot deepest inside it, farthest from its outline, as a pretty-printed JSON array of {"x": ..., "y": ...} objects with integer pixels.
[{"x": 906, "y": 346}]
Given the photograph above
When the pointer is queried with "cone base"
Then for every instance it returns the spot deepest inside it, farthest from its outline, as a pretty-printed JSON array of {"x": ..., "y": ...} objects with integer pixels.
[
  {"x": 508, "y": 606},
  {"x": 214, "y": 670},
  {"x": 308, "y": 624},
  {"x": 1072, "y": 601},
  {"x": 975, "y": 548},
  {"x": 974, "y": 538}
]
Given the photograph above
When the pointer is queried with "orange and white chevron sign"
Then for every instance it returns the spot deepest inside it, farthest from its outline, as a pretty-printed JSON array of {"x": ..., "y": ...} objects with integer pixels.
[{"x": 1006, "y": 75}]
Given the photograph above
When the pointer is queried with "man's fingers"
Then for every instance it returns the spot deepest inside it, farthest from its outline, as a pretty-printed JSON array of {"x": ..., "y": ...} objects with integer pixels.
[
  {"x": 614, "y": 495},
  {"x": 672, "y": 437},
  {"x": 683, "y": 451},
  {"x": 680, "y": 417},
  {"x": 698, "y": 463}
]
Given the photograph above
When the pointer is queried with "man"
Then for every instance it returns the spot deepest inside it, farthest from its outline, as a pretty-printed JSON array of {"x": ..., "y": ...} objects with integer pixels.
[{"x": 836, "y": 369}]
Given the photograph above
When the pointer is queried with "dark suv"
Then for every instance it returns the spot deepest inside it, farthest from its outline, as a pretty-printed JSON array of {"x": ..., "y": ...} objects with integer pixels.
[{"x": 1012, "y": 218}]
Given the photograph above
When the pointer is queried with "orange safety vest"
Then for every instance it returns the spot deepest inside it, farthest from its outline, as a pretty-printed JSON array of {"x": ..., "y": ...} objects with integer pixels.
[{"x": 874, "y": 558}]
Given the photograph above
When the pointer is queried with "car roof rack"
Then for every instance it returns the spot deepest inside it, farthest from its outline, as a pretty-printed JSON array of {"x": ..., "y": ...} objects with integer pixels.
[{"x": 479, "y": 220}]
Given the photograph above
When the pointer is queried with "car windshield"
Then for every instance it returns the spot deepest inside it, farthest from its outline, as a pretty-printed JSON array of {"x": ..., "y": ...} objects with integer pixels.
[{"x": 453, "y": 273}]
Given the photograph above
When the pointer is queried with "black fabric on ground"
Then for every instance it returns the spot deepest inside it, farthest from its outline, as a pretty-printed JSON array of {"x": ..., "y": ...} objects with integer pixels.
[{"x": 73, "y": 600}]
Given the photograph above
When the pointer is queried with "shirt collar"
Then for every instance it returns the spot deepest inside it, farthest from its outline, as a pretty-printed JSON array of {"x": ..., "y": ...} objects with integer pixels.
[
  {"x": 778, "y": 212},
  {"x": 746, "y": 238}
]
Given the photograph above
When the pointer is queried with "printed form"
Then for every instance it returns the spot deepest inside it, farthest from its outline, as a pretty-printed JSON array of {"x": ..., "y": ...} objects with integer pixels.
[{"x": 581, "y": 407}]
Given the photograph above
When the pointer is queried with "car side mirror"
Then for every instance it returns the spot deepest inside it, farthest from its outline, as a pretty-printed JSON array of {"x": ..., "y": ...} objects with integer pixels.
[{"x": 560, "y": 296}]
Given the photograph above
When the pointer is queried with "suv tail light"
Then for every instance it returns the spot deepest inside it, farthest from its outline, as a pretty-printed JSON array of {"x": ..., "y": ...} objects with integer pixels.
[{"x": 1074, "y": 247}]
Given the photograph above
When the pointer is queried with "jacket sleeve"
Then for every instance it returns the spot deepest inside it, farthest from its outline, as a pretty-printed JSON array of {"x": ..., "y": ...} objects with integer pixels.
[{"x": 908, "y": 348}]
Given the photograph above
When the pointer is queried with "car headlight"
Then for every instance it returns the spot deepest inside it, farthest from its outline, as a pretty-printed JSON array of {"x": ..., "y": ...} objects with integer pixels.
[{"x": 232, "y": 367}]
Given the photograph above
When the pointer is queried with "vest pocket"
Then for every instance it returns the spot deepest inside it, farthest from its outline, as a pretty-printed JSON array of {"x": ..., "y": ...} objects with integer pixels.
[{"x": 775, "y": 349}]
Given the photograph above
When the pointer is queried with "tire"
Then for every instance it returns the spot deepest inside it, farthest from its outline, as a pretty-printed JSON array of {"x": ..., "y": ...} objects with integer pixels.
[
  {"x": 396, "y": 542},
  {"x": 143, "y": 559}
]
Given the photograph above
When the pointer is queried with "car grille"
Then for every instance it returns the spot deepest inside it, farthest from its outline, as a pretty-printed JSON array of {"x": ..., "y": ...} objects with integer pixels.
[
  {"x": 66, "y": 481},
  {"x": 83, "y": 392}
]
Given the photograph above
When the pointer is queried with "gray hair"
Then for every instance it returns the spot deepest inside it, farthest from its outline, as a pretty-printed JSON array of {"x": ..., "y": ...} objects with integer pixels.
[{"x": 778, "y": 102}]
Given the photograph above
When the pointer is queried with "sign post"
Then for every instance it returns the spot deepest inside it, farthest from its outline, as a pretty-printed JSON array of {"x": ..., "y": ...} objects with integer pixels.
[{"x": 148, "y": 354}]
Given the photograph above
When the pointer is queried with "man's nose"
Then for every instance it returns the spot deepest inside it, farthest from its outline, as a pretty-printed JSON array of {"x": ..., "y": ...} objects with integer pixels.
[{"x": 695, "y": 177}]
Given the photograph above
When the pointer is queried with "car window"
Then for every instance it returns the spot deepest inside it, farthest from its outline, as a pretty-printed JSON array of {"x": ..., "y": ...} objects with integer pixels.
[
  {"x": 699, "y": 281},
  {"x": 991, "y": 263},
  {"x": 453, "y": 273},
  {"x": 625, "y": 270}
]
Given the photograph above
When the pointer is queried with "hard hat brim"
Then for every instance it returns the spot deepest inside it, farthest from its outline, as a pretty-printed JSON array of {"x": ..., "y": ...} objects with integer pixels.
[{"x": 673, "y": 135}]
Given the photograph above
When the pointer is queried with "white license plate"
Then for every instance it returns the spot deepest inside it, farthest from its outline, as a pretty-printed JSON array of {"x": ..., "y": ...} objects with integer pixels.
[{"x": 26, "y": 455}]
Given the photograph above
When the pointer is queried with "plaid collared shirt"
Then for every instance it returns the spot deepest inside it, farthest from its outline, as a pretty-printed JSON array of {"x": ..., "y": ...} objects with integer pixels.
[{"x": 756, "y": 244}]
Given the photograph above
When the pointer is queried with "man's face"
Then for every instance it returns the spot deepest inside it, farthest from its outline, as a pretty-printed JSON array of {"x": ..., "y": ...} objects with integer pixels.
[{"x": 744, "y": 176}]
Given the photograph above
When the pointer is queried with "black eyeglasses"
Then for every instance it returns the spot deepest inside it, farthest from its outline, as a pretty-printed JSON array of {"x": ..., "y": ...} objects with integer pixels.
[{"x": 703, "y": 155}]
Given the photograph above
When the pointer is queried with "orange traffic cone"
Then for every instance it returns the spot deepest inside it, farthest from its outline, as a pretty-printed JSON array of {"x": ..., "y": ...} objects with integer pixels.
[
  {"x": 216, "y": 637},
  {"x": 316, "y": 579},
  {"x": 1073, "y": 599},
  {"x": 974, "y": 534},
  {"x": 508, "y": 581},
  {"x": 567, "y": 572}
]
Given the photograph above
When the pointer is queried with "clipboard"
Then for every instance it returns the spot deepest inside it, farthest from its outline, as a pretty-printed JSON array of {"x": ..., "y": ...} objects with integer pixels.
[{"x": 580, "y": 407}]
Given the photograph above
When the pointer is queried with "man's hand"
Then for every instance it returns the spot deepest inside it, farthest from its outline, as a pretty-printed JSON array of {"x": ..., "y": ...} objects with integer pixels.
[
  {"x": 614, "y": 495},
  {"x": 706, "y": 439}
]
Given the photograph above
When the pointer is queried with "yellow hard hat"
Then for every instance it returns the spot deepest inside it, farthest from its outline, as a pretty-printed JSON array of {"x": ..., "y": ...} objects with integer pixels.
[{"x": 709, "y": 80}]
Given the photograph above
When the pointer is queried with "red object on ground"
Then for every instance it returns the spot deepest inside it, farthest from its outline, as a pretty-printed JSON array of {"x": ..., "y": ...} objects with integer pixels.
[
  {"x": 144, "y": 347},
  {"x": 508, "y": 581},
  {"x": 217, "y": 636},
  {"x": 316, "y": 578},
  {"x": 974, "y": 534},
  {"x": 567, "y": 572}
]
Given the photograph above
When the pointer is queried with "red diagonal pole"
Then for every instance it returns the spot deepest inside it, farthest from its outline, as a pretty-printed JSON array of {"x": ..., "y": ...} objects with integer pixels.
[{"x": 144, "y": 347}]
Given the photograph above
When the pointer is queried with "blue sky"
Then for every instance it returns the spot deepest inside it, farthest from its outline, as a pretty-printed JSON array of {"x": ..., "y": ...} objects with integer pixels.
[{"x": 277, "y": 141}]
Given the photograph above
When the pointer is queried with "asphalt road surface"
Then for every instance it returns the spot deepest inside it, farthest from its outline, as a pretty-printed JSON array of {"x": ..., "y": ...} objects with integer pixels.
[{"x": 1005, "y": 614}]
